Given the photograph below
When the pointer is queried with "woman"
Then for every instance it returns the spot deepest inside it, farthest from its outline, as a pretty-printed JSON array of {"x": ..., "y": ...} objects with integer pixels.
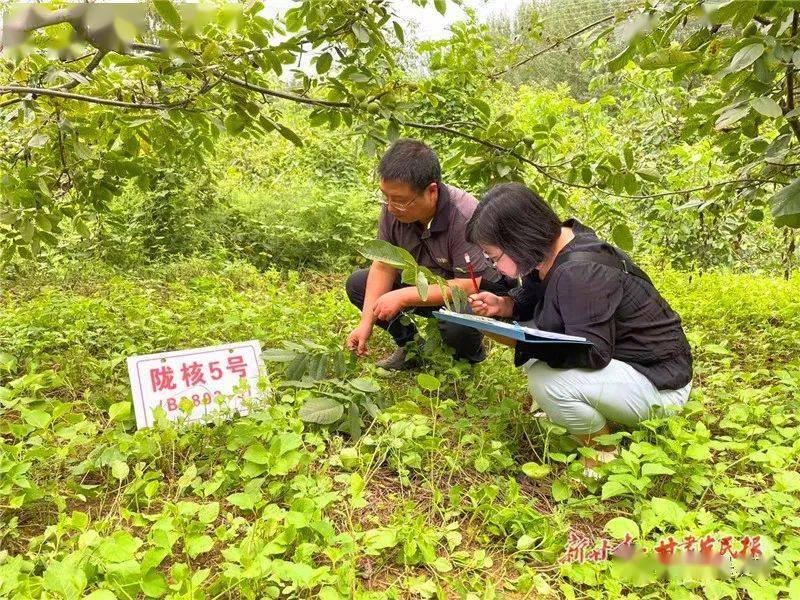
[{"x": 577, "y": 284}]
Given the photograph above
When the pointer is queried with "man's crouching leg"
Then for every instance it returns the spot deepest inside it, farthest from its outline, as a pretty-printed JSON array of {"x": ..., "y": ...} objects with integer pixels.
[
  {"x": 466, "y": 341},
  {"x": 356, "y": 287}
]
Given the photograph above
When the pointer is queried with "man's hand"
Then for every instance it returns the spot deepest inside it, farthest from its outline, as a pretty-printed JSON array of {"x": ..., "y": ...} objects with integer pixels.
[
  {"x": 487, "y": 304},
  {"x": 388, "y": 305},
  {"x": 357, "y": 340}
]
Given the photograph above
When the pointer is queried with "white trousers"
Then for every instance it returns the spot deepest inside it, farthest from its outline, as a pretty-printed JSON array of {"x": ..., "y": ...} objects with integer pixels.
[{"x": 583, "y": 400}]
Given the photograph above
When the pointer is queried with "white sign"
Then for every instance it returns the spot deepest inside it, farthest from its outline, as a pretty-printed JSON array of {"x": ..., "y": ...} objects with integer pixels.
[{"x": 199, "y": 376}]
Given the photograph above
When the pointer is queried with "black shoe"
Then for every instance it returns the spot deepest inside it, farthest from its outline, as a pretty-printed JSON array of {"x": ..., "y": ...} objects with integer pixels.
[
  {"x": 397, "y": 361},
  {"x": 479, "y": 357}
]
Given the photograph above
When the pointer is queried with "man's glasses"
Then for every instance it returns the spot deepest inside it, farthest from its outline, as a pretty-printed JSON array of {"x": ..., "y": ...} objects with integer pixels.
[{"x": 399, "y": 207}]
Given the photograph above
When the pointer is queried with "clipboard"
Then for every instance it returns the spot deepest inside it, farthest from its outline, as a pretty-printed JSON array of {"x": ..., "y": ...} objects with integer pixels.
[{"x": 512, "y": 330}]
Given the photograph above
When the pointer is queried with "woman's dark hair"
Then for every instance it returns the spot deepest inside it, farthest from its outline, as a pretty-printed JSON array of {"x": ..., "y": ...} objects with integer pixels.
[
  {"x": 412, "y": 162},
  {"x": 515, "y": 219}
]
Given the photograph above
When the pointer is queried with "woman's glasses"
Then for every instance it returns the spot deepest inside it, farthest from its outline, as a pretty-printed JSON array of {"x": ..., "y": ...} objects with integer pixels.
[{"x": 494, "y": 261}]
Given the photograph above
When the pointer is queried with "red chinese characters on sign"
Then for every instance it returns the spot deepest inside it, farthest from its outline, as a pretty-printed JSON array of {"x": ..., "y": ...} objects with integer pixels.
[
  {"x": 162, "y": 378},
  {"x": 690, "y": 550},
  {"x": 237, "y": 364},
  {"x": 576, "y": 548},
  {"x": 665, "y": 550},
  {"x": 751, "y": 547},
  {"x": 194, "y": 373}
]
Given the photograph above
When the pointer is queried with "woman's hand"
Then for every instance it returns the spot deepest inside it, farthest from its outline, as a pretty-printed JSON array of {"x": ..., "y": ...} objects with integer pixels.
[{"x": 487, "y": 304}]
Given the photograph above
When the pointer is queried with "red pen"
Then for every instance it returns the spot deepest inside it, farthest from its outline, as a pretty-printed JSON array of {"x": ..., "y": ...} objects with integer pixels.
[{"x": 471, "y": 272}]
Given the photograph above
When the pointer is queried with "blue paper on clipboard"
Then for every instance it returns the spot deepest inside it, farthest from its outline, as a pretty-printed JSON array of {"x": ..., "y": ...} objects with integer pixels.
[{"x": 514, "y": 330}]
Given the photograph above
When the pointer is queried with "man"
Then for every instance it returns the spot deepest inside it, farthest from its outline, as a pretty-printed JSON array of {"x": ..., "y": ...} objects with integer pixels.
[{"x": 427, "y": 218}]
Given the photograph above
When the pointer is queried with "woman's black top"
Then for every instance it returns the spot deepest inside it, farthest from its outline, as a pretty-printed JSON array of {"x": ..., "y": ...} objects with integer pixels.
[{"x": 623, "y": 316}]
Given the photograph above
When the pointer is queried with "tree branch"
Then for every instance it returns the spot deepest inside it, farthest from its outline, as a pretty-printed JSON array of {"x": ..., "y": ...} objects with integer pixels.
[
  {"x": 276, "y": 94},
  {"x": 15, "y": 89},
  {"x": 494, "y": 146},
  {"x": 542, "y": 170},
  {"x": 250, "y": 86},
  {"x": 554, "y": 45},
  {"x": 96, "y": 59},
  {"x": 793, "y": 122}
]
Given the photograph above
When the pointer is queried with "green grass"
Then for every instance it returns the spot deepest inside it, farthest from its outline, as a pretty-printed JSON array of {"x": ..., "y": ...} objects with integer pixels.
[{"x": 431, "y": 500}]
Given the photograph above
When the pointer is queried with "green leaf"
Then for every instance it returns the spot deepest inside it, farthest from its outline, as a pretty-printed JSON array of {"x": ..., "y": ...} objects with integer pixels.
[
  {"x": 278, "y": 355},
  {"x": 622, "y": 236},
  {"x": 101, "y": 595},
  {"x": 257, "y": 454},
  {"x": 628, "y": 154},
  {"x": 365, "y": 384},
  {"x": 38, "y": 141},
  {"x": 621, "y": 59},
  {"x": 619, "y": 526},
  {"x": 656, "y": 469},
  {"x": 787, "y": 481},
  {"x": 666, "y": 58},
  {"x": 535, "y": 470},
  {"x": 298, "y": 573},
  {"x": 245, "y": 501},
  {"x": 208, "y": 513},
  {"x": 293, "y": 19},
  {"x": 324, "y": 62},
  {"x": 119, "y": 411},
  {"x": 28, "y": 230},
  {"x": 234, "y": 124},
  {"x": 285, "y": 442},
  {"x": 354, "y": 421},
  {"x": 441, "y": 6},
  {"x": 361, "y": 33},
  {"x": 525, "y": 541},
  {"x": 731, "y": 116},
  {"x": 379, "y": 539},
  {"x": 167, "y": 11},
  {"x": 699, "y": 452},
  {"x": 482, "y": 464},
  {"x": 744, "y": 58},
  {"x": 198, "y": 544},
  {"x": 66, "y": 578},
  {"x": 37, "y": 418},
  {"x": 767, "y": 107},
  {"x": 668, "y": 510},
  {"x": 428, "y": 382},
  {"x": 482, "y": 106},
  {"x": 785, "y": 205},
  {"x": 153, "y": 584},
  {"x": 385, "y": 252},
  {"x": 560, "y": 490},
  {"x": 120, "y": 469},
  {"x": 290, "y": 135},
  {"x": 398, "y": 31},
  {"x": 613, "y": 488},
  {"x": 118, "y": 548},
  {"x": 716, "y": 590},
  {"x": 422, "y": 285},
  {"x": 324, "y": 411}
]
